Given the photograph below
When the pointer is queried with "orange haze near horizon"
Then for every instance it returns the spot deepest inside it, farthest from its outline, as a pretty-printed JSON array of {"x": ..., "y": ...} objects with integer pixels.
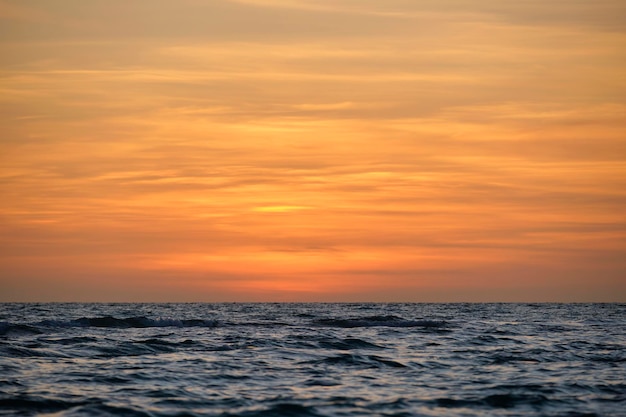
[{"x": 300, "y": 150}]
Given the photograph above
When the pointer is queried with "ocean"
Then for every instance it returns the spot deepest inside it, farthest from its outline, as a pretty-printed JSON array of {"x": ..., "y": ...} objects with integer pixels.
[{"x": 299, "y": 359}]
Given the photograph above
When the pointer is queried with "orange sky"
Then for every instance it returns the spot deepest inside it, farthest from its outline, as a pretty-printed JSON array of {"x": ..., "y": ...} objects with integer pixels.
[{"x": 312, "y": 150}]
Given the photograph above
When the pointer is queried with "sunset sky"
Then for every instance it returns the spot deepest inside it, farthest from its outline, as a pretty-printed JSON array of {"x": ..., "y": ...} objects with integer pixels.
[{"x": 312, "y": 150}]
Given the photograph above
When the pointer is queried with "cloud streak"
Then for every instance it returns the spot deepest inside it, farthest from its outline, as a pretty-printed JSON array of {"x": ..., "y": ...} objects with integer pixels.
[{"x": 260, "y": 149}]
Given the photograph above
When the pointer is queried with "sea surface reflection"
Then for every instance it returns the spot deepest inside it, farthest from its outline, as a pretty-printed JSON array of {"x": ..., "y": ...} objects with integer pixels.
[{"x": 313, "y": 359}]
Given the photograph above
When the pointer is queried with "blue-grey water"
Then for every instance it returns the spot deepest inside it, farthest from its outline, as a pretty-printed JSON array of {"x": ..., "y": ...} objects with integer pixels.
[{"x": 313, "y": 359}]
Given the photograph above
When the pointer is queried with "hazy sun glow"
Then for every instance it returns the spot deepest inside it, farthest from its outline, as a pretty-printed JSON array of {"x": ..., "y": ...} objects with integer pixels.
[{"x": 322, "y": 150}]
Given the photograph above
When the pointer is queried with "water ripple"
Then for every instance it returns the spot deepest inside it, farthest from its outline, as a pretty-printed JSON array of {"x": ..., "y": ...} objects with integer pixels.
[{"x": 313, "y": 359}]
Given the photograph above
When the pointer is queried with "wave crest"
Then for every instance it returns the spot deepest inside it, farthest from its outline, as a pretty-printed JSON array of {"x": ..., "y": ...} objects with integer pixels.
[{"x": 375, "y": 321}]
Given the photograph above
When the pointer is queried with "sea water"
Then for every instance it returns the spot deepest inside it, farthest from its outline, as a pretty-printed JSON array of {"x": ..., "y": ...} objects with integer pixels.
[{"x": 313, "y": 359}]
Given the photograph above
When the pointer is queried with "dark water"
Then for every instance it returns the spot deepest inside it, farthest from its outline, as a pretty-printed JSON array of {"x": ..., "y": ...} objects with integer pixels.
[{"x": 313, "y": 359}]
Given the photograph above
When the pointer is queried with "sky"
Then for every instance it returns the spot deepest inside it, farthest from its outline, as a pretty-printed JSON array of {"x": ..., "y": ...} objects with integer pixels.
[{"x": 313, "y": 150}]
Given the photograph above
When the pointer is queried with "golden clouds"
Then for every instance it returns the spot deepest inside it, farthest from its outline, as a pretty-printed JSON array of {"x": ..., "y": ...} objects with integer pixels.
[{"x": 313, "y": 150}]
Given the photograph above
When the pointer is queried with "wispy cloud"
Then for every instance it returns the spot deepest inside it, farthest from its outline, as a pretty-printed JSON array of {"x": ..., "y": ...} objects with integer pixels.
[{"x": 328, "y": 150}]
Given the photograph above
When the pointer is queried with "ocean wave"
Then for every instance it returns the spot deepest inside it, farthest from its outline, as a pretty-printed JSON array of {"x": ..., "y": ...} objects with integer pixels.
[
  {"x": 279, "y": 410},
  {"x": 144, "y": 347},
  {"x": 18, "y": 329},
  {"x": 250, "y": 360},
  {"x": 128, "y": 322},
  {"x": 7, "y": 329},
  {"x": 506, "y": 400},
  {"x": 37, "y": 404},
  {"x": 132, "y": 322},
  {"x": 29, "y": 352},
  {"x": 380, "y": 321},
  {"x": 366, "y": 361},
  {"x": 347, "y": 344}
]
